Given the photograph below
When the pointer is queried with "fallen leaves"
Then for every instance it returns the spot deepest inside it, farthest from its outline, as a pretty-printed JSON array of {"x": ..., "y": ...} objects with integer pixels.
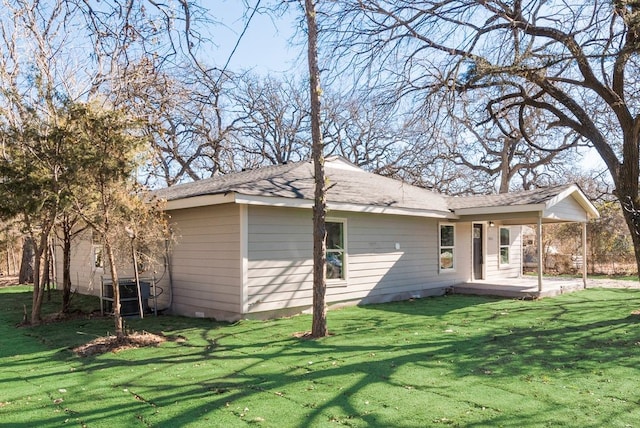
[{"x": 105, "y": 344}]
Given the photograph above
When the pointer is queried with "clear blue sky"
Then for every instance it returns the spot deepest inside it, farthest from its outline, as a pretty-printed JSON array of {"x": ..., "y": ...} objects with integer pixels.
[{"x": 267, "y": 46}]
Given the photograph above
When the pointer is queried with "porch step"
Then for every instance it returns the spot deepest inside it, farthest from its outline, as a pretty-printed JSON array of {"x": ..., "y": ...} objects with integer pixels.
[{"x": 516, "y": 292}]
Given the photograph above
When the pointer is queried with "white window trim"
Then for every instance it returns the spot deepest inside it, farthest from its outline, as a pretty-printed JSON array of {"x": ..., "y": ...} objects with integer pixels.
[
  {"x": 440, "y": 248},
  {"x": 345, "y": 251},
  {"x": 94, "y": 255},
  {"x": 500, "y": 246}
]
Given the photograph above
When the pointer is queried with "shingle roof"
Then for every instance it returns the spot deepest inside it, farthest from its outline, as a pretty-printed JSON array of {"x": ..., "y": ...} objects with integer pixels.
[
  {"x": 346, "y": 184},
  {"x": 527, "y": 197},
  {"x": 350, "y": 186}
]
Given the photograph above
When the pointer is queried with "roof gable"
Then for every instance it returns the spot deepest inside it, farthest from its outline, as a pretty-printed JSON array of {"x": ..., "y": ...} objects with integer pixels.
[{"x": 546, "y": 201}]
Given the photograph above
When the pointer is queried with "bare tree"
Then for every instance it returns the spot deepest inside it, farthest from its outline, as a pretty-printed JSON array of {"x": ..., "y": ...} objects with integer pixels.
[
  {"x": 576, "y": 62},
  {"x": 502, "y": 152},
  {"x": 42, "y": 70},
  {"x": 190, "y": 125},
  {"x": 366, "y": 133},
  {"x": 275, "y": 123},
  {"x": 319, "y": 324}
]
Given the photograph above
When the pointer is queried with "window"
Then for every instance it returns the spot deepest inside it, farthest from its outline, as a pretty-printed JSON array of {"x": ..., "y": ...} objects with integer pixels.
[
  {"x": 336, "y": 254},
  {"x": 505, "y": 241},
  {"x": 98, "y": 257},
  {"x": 447, "y": 247},
  {"x": 98, "y": 250}
]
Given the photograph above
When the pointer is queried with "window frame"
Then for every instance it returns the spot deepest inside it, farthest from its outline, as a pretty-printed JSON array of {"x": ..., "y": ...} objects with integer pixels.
[
  {"x": 502, "y": 246},
  {"x": 344, "y": 251},
  {"x": 97, "y": 252},
  {"x": 452, "y": 248}
]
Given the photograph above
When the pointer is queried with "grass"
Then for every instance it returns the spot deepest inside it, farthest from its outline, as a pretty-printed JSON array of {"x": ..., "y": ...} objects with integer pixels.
[
  {"x": 616, "y": 277},
  {"x": 590, "y": 276},
  {"x": 452, "y": 361}
]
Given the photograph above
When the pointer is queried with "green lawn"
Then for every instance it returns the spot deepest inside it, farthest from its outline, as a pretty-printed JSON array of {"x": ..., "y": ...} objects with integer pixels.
[{"x": 573, "y": 360}]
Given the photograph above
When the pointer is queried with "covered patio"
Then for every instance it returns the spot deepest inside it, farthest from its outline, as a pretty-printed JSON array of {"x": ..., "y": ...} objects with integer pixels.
[
  {"x": 559, "y": 204},
  {"x": 526, "y": 287}
]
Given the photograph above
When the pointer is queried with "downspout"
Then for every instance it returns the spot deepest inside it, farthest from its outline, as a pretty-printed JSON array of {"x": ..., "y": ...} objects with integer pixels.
[
  {"x": 244, "y": 260},
  {"x": 584, "y": 254},
  {"x": 167, "y": 260},
  {"x": 540, "y": 259}
]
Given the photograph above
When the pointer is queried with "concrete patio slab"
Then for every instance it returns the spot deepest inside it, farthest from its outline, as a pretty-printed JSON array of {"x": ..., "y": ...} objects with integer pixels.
[{"x": 520, "y": 288}]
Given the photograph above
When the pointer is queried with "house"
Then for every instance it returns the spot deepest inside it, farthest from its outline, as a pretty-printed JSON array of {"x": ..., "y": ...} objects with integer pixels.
[{"x": 243, "y": 242}]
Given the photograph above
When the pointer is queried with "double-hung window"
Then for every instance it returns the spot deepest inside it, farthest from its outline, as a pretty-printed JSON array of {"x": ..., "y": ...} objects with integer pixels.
[
  {"x": 336, "y": 250},
  {"x": 447, "y": 247},
  {"x": 505, "y": 242},
  {"x": 97, "y": 250}
]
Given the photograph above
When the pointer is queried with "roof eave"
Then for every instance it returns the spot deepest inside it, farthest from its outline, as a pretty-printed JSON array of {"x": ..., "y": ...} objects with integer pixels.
[
  {"x": 341, "y": 206},
  {"x": 500, "y": 209},
  {"x": 199, "y": 201}
]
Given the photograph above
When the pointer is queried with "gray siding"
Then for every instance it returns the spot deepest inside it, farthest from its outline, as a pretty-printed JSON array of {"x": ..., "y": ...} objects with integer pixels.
[
  {"x": 496, "y": 270},
  {"x": 206, "y": 262},
  {"x": 279, "y": 263},
  {"x": 85, "y": 277},
  {"x": 280, "y": 258},
  {"x": 378, "y": 270}
]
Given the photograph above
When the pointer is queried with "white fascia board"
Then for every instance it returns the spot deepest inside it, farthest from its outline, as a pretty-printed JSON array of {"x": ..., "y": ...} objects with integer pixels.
[
  {"x": 199, "y": 201},
  {"x": 276, "y": 201},
  {"x": 503, "y": 209},
  {"x": 340, "y": 206},
  {"x": 580, "y": 197},
  {"x": 414, "y": 212}
]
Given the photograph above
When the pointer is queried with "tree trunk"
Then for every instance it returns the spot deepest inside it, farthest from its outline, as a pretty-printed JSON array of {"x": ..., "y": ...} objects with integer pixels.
[
  {"x": 631, "y": 211},
  {"x": 627, "y": 187},
  {"x": 27, "y": 264},
  {"x": 66, "y": 268},
  {"x": 119, "y": 324},
  {"x": 46, "y": 272},
  {"x": 319, "y": 324},
  {"x": 38, "y": 285},
  {"x": 38, "y": 290}
]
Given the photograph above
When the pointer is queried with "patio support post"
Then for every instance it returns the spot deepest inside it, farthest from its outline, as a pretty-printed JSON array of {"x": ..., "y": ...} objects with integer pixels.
[
  {"x": 584, "y": 254},
  {"x": 539, "y": 238}
]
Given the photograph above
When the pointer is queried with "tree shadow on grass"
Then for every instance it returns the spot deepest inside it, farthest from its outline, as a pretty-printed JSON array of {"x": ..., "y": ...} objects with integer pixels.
[
  {"x": 386, "y": 354},
  {"x": 516, "y": 352}
]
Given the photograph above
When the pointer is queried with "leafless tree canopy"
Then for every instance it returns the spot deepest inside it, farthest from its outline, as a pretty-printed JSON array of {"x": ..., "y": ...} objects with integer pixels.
[
  {"x": 573, "y": 62},
  {"x": 463, "y": 96}
]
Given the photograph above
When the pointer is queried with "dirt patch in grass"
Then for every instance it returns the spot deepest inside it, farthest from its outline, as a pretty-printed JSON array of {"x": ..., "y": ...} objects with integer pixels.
[
  {"x": 306, "y": 335},
  {"x": 106, "y": 344}
]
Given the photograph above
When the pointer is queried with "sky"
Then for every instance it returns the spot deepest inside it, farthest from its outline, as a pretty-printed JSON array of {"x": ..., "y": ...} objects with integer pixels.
[
  {"x": 271, "y": 45},
  {"x": 267, "y": 46}
]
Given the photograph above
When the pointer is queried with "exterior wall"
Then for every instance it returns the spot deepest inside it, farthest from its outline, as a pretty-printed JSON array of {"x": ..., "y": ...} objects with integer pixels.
[
  {"x": 279, "y": 262},
  {"x": 388, "y": 258},
  {"x": 496, "y": 270},
  {"x": 206, "y": 263},
  {"x": 567, "y": 209},
  {"x": 85, "y": 276},
  {"x": 464, "y": 243},
  {"x": 380, "y": 270},
  {"x": 216, "y": 273}
]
